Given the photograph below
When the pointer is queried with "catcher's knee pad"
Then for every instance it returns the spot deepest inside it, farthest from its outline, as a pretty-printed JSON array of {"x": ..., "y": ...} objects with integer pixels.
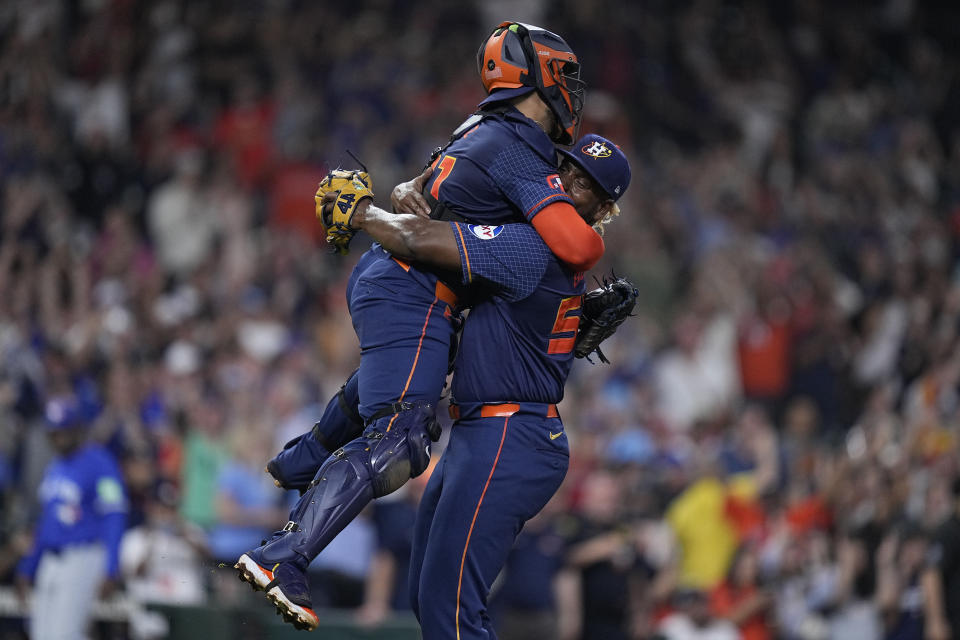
[
  {"x": 297, "y": 464},
  {"x": 402, "y": 447}
]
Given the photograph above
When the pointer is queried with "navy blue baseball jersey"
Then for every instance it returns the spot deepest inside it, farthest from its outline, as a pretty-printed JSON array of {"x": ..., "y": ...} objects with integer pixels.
[
  {"x": 526, "y": 331},
  {"x": 502, "y": 170},
  {"x": 83, "y": 502}
]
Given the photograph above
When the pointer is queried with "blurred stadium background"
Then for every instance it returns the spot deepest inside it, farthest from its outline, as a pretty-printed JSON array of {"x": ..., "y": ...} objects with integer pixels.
[{"x": 776, "y": 440}]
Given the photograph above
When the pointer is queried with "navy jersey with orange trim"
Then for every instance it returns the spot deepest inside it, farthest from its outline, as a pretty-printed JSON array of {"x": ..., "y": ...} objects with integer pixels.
[
  {"x": 503, "y": 170},
  {"x": 525, "y": 332}
]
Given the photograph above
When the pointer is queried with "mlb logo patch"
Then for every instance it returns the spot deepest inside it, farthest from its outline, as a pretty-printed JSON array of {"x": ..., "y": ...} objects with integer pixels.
[
  {"x": 554, "y": 182},
  {"x": 485, "y": 231}
]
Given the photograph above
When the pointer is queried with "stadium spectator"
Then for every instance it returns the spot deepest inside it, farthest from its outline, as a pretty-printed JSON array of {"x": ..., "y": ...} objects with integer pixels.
[
  {"x": 901, "y": 560},
  {"x": 524, "y": 600},
  {"x": 161, "y": 560},
  {"x": 941, "y": 579},
  {"x": 600, "y": 585},
  {"x": 742, "y": 600},
  {"x": 247, "y": 503},
  {"x": 387, "y": 589},
  {"x": 692, "y": 620}
]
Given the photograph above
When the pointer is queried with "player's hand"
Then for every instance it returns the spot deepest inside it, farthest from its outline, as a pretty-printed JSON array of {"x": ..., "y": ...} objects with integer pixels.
[
  {"x": 407, "y": 197},
  {"x": 327, "y": 203},
  {"x": 356, "y": 221}
]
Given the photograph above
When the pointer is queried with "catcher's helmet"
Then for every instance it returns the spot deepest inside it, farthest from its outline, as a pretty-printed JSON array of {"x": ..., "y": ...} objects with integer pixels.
[{"x": 522, "y": 55}]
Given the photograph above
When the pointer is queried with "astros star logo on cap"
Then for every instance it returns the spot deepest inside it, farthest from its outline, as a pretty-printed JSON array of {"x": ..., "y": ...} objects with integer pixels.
[{"x": 597, "y": 150}]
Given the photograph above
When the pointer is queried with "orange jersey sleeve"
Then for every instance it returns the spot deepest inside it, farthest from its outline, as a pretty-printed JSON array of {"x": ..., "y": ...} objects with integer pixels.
[{"x": 569, "y": 237}]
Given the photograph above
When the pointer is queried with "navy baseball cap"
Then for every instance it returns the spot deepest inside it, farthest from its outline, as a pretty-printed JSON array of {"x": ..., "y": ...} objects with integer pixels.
[
  {"x": 62, "y": 413},
  {"x": 603, "y": 161}
]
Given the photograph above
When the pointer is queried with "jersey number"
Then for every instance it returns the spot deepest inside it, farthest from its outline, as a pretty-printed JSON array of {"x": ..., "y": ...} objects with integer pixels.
[
  {"x": 345, "y": 201},
  {"x": 443, "y": 170},
  {"x": 565, "y": 323}
]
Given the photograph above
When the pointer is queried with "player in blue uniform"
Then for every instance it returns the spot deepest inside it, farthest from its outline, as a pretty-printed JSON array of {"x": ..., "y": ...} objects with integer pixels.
[
  {"x": 504, "y": 160},
  {"x": 75, "y": 553},
  {"x": 508, "y": 452}
]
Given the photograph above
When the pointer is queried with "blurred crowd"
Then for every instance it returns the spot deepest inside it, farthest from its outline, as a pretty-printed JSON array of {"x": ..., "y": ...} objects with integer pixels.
[{"x": 773, "y": 452}]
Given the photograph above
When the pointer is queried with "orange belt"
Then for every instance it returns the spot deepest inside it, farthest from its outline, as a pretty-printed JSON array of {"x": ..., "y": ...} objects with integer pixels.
[
  {"x": 443, "y": 292},
  {"x": 501, "y": 411}
]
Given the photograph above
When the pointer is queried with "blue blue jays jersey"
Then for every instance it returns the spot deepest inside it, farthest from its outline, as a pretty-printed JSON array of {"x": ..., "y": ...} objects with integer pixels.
[
  {"x": 525, "y": 332},
  {"x": 82, "y": 502},
  {"x": 502, "y": 170}
]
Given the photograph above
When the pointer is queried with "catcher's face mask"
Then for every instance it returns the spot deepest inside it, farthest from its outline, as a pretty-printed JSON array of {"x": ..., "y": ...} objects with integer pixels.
[{"x": 522, "y": 55}]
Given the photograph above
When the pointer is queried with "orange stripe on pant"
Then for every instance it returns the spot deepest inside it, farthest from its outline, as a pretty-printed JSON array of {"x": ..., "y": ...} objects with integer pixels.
[
  {"x": 476, "y": 512},
  {"x": 416, "y": 358},
  {"x": 442, "y": 293}
]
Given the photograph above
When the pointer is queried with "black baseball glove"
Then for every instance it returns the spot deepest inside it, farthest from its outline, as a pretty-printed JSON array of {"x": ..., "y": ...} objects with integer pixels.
[{"x": 604, "y": 309}]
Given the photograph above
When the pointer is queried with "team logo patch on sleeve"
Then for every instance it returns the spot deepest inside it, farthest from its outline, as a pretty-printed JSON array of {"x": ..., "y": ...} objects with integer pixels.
[
  {"x": 554, "y": 182},
  {"x": 485, "y": 231}
]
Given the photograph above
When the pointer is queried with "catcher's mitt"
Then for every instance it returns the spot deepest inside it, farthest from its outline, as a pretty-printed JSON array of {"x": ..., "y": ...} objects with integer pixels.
[
  {"x": 604, "y": 309},
  {"x": 353, "y": 186}
]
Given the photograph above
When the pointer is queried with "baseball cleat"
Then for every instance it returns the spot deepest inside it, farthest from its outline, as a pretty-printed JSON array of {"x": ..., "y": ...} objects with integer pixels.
[
  {"x": 291, "y": 595},
  {"x": 258, "y": 577},
  {"x": 286, "y": 587}
]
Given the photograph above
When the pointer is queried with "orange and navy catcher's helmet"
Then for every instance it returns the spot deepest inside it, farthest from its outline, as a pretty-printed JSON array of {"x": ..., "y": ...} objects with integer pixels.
[{"x": 518, "y": 55}]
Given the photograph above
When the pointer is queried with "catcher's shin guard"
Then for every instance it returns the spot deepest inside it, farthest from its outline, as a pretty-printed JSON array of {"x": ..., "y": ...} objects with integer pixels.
[
  {"x": 393, "y": 449},
  {"x": 297, "y": 464}
]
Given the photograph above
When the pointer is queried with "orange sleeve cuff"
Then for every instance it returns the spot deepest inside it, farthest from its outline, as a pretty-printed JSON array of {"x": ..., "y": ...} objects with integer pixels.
[{"x": 569, "y": 237}]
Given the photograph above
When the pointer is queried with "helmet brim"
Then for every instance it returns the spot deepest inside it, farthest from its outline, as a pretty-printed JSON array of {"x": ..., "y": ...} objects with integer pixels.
[{"x": 577, "y": 161}]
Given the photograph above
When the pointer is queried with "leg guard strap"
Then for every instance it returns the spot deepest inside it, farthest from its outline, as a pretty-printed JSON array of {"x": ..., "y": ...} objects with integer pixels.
[{"x": 389, "y": 410}]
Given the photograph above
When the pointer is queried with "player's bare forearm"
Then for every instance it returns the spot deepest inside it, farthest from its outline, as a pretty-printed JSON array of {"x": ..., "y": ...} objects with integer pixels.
[{"x": 428, "y": 242}]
